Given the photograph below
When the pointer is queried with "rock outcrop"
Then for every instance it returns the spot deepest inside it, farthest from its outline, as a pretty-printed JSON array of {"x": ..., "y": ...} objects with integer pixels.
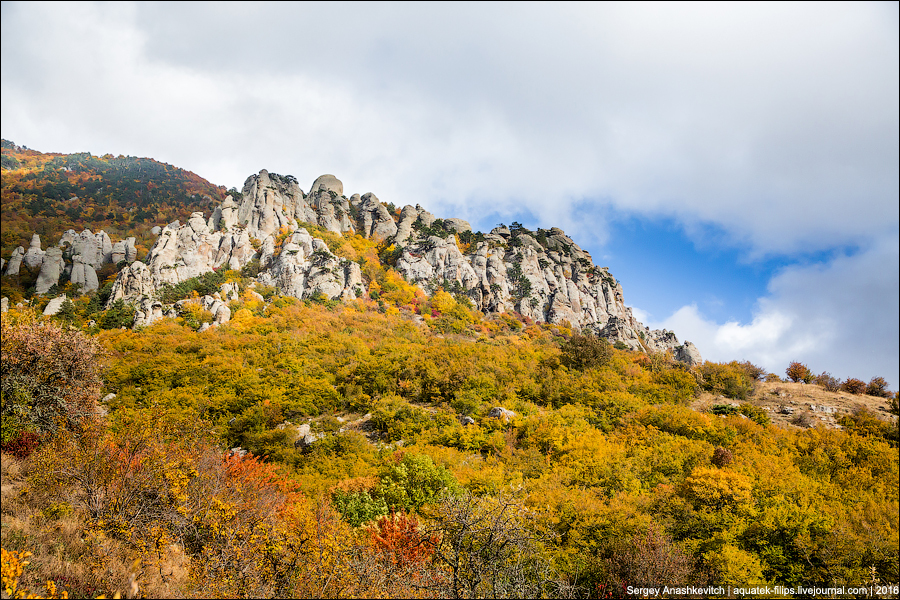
[
  {"x": 305, "y": 267},
  {"x": 34, "y": 256},
  {"x": 94, "y": 249},
  {"x": 52, "y": 266},
  {"x": 543, "y": 275},
  {"x": 15, "y": 262},
  {"x": 78, "y": 255}
]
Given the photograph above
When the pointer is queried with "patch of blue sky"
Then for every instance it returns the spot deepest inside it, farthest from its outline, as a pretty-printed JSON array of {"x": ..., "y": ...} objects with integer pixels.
[{"x": 664, "y": 265}]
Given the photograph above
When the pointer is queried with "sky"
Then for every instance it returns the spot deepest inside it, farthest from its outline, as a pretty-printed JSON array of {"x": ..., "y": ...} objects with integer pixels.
[{"x": 735, "y": 165}]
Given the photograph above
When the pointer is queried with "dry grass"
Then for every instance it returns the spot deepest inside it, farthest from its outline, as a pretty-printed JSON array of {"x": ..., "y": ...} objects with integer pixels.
[
  {"x": 802, "y": 397},
  {"x": 65, "y": 550}
]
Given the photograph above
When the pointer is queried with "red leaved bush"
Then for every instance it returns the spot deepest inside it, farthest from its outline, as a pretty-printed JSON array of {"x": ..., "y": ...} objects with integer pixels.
[
  {"x": 22, "y": 445},
  {"x": 400, "y": 537}
]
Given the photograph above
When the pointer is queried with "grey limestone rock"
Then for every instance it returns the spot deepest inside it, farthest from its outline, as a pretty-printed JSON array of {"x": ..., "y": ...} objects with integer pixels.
[
  {"x": 51, "y": 268},
  {"x": 306, "y": 267},
  {"x": 34, "y": 256},
  {"x": 688, "y": 354},
  {"x": 374, "y": 219},
  {"x": 4, "y": 304},
  {"x": 328, "y": 183},
  {"x": 331, "y": 207},
  {"x": 458, "y": 225},
  {"x": 54, "y": 306},
  {"x": 95, "y": 249},
  {"x": 408, "y": 216},
  {"x": 132, "y": 283},
  {"x": 219, "y": 310},
  {"x": 117, "y": 252},
  {"x": 131, "y": 250},
  {"x": 15, "y": 262},
  {"x": 230, "y": 292},
  {"x": 269, "y": 204},
  {"x": 148, "y": 311},
  {"x": 83, "y": 274}
]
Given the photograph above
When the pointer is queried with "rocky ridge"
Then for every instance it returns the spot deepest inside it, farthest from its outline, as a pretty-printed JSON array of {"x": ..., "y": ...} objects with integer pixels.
[{"x": 543, "y": 275}]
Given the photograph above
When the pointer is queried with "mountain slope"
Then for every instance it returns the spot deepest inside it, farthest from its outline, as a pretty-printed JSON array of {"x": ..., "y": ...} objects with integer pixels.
[
  {"x": 126, "y": 196},
  {"x": 276, "y": 230}
]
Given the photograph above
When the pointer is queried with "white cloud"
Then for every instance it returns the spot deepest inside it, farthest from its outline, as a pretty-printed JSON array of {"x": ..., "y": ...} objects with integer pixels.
[
  {"x": 841, "y": 317},
  {"x": 778, "y": 123}
]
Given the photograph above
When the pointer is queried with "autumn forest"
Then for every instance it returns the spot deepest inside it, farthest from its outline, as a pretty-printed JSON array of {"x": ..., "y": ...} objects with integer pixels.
[{"x": 398, "y": 444}]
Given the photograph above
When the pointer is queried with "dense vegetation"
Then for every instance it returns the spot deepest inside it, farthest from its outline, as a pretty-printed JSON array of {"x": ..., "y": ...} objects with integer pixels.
[
  {"x": 399, "y": 445},
  {"x": 602, "y": 476}
]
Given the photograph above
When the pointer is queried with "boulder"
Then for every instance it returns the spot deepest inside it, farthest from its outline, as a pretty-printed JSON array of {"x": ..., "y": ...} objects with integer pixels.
[
  {"x": 230, "y": 292},
  {"x": 374, "y": 219},
  {"x": 458, "y": 225},
  {"x": 148, "y": 312},
  {"x": 131, "y": 250},
  {"x": 327, "y": 183},
  {"x": 54, "y": 306},
  {"x": 498, "y": 412},
  {"x": 118, "y": 252}
]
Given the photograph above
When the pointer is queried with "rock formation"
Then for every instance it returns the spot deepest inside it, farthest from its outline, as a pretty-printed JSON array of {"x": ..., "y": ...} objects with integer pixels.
[
  {"x": 52, "y": 266},
  {"x": 34, "y": 256},
  {"x": 543, "y": 275},
  {"x": 15, "y": 262}
]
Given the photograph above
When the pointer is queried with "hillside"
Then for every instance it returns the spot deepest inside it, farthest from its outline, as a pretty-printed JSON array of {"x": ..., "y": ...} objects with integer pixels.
[
  {"x": 309, "y": 394},
  {"x": 50, "y": 193},
  {"x": 279, "y": 232},
  {"x": 360, "y": 412}
]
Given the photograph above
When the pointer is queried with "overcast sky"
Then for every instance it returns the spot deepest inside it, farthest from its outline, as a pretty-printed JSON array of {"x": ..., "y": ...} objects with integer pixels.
[{"x": 735, "y": 165}]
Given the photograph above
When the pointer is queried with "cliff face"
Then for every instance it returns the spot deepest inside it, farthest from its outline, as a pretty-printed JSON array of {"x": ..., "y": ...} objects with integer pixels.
[{"x": 543, "y": 275}]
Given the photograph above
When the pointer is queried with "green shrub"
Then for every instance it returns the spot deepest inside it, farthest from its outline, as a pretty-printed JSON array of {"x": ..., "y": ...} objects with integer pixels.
[
  {"x": 755, "y": 413},
  {"x": 582, "y": 352},
  {"x": 117, "y": 316},
  {"x": 358, "y": 507},
  {"x": 414, "y": 481},
  {"x": 729, "y": 380},
  {"x": 866, "y": 423}
]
